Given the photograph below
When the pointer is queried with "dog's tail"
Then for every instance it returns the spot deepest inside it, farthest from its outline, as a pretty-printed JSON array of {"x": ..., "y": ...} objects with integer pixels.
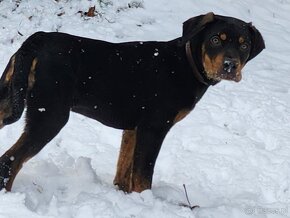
[{"x": 13, "y": 86}]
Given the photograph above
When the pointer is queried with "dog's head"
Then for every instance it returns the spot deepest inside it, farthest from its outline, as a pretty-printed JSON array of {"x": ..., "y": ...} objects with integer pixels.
[{"x": 227, "y": 44}]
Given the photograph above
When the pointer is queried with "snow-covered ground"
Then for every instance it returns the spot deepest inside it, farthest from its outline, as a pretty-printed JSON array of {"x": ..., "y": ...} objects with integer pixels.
[{"x": 232, "y": 152}]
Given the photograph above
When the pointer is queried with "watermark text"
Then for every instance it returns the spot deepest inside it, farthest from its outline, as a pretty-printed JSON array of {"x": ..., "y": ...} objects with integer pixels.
[{"x": 265, "y": 210}]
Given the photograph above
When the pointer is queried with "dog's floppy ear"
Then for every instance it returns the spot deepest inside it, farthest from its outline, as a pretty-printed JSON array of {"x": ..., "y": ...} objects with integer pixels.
[
  {"x": 257, "y": 42},
  {"x": 194, "y": 25}
]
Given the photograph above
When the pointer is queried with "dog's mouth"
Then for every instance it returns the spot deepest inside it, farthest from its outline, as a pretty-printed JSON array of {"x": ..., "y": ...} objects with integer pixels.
[
  {"x": 222, "y": 75},
  {"x": 222, "y": 68}
]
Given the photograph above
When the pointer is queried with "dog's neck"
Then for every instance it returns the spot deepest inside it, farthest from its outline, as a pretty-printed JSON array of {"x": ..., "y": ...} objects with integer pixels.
[
  {"x": 198, "y": 73},
  {"x": 191, "y": 61}
]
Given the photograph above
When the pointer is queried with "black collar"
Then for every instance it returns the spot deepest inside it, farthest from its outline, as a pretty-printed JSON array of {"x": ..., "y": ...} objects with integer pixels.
[{"x": 190, "y": 59}]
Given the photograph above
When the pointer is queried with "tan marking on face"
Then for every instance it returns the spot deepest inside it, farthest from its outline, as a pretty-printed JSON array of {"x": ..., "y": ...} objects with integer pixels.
[
  {"x": 180, "y": 115},
  {"x": 1, "y": 119},
  {"x": 10, "y": 71},
  {"x": 123, "y": 176},
  {"x": 241, "y": 40},
  {"x": 239, "y": 72},
  {"x": 212, "y": 66},
  {"x": 223, "y": 36},
  {"x": 31, "y": 76}
]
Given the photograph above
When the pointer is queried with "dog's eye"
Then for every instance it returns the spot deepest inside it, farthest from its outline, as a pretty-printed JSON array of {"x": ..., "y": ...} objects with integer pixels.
[
  {"x": 244, "y": 46},
  {"x": 215, "y": 40}
]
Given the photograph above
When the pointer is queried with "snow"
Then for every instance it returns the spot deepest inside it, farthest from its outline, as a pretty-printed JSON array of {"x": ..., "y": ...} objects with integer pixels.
[
  {"x": 232, "y": 152},
  {"x": 41, "y": 109}
]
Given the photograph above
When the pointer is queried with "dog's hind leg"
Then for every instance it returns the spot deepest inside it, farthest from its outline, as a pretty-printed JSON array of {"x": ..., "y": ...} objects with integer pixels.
[{"x": 42, "y": 125}]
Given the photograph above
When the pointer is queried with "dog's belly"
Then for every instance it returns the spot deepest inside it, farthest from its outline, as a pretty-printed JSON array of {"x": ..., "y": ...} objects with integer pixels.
[{"x": 110, "y": 114}]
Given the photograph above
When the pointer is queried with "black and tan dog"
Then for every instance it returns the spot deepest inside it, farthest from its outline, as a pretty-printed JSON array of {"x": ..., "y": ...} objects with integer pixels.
[{"x": 143, "y": 88}]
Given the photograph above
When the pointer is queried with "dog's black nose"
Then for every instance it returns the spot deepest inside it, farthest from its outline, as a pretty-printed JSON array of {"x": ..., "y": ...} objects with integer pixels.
[{"x": 230, "y": 65}]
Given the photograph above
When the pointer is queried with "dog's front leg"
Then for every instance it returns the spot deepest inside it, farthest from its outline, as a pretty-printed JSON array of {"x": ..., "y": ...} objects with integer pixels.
[
  {"x": 138, "y": 153},
  {"x": 149, "y": 139}
]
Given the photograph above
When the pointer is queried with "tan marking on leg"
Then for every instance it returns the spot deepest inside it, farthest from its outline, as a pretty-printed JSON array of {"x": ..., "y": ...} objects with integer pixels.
[
  {"x": 5, "y": 110},
  {"x": 31, "y": 76},
  {"x": 14, "y": 172},
  {"x": 2, "y": 114},
  {"x": 10, "y": 71},
  {"x": 140, "y": 183},
  {"x": 180, "y": 115},
  {"x": 123, "y": 176}
]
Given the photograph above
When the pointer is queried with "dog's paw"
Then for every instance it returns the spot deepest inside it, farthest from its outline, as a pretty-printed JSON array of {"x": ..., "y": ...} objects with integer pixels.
[{"x": 123, "y": 186}]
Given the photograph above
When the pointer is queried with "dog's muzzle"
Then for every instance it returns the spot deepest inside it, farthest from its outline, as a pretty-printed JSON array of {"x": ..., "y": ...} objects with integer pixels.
[{"x": 230, "y": 65}]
